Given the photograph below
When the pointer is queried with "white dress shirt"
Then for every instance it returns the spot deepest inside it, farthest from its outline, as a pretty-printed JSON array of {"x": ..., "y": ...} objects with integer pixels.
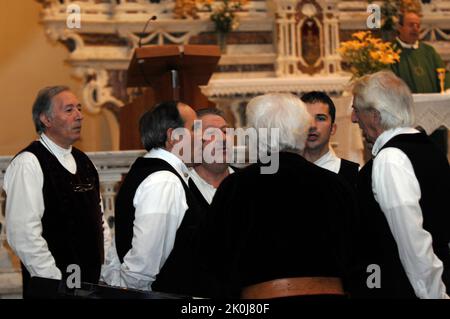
[
  {"x": 329, "y": 161},
  {"x": 25, "y": 207},
  {"x": 397, "y": 191},
  {"x": 160, "y": 205},
  {"x": 203, "y": 186}
]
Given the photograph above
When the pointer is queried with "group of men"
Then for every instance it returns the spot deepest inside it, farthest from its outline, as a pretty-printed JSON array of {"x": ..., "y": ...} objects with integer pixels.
[{"x": 312, "y": 229}]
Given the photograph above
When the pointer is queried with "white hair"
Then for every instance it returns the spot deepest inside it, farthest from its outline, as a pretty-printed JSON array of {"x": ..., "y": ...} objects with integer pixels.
[
  {"x": 285, "y": 112},
  {"x": 389, "y": 95}
]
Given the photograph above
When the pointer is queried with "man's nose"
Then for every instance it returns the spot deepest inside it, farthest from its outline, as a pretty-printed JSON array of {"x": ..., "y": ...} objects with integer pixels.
[
  {"x": 79, "y": 115},
  {"x": 354, "y": 117}
]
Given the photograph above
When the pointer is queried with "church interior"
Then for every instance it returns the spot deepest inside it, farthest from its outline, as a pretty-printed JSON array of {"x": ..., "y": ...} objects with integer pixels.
[{"x": 289, "y": 46}]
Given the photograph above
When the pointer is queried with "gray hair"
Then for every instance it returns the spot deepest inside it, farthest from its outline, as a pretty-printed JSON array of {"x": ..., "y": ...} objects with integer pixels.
[
  {"x": 282, "y": 111},
  {"x": 210, "y": 111},
  {"x": 387, "y": 94},
  {"x": 44, "y": 104}
]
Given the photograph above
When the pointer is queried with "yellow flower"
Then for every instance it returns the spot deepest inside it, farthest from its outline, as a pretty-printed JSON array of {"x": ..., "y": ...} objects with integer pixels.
[
  {"x": 367, "y": 54},
  {"x": 359, "y": 35},
  {"x": 375, "y": 55}
]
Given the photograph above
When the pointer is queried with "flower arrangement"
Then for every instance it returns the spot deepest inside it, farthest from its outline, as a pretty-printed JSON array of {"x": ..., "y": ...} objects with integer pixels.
[
  {"x": 224, "y": 14},
  {"x": 367, "y": 54}
]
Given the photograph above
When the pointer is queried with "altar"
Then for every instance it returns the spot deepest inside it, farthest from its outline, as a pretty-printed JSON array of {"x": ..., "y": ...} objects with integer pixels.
[{"x": 432, "y": 111}]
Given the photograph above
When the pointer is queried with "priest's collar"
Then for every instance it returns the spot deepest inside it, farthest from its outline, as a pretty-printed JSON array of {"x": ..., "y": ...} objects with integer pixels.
[{"x": 408, "y": 46}]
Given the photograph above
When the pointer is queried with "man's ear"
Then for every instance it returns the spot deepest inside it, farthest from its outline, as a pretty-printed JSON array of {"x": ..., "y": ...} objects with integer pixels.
[
  {"x": 376, "y": 117},
  {"x": 45, "y": 119},
  {"x": 169, "y": 141},
  {"x": 333, "y": 128}
]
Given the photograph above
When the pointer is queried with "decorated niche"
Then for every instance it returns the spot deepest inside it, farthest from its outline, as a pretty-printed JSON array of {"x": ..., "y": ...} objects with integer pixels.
[
  {"x": 309, "y": 24},
  {"x": 308, "y": 37}
]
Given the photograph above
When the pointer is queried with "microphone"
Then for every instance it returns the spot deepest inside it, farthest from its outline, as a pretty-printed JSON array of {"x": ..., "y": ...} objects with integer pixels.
[{"x": 152, "y": 18}]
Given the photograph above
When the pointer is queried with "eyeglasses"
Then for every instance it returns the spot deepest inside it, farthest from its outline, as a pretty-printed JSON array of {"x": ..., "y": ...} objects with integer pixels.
[{"x": 80, "y": 188}]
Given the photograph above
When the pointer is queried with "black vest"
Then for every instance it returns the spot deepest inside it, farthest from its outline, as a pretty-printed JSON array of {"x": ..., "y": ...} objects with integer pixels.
[
  {"x": 205, "y": 206},
  {"x": 198, "y": 195},
  {"x": 178, "y": 274},
  {"x": 72, "y": 219},
  {"x": 432, "y": 172},
  {"x": 349, "y": 172}
]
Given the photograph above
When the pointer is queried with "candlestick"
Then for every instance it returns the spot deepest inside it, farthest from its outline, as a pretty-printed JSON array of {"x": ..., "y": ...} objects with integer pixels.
[{"x": 441, "y": 77}]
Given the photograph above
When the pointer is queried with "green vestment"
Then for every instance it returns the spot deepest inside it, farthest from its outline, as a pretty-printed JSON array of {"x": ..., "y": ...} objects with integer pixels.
[{"x": 417, "y": 67}]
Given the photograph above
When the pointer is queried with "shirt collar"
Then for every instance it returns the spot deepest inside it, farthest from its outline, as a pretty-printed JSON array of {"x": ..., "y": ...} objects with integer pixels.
[
  {"x": 328, "y": 156},
  {"x": 54, "y": 148},
  {"x": 386, "y": 136},
  {"x": 197, "y": 177},
  {"x": 172, "y": 159},
  {"x": 408, "y": 46}
]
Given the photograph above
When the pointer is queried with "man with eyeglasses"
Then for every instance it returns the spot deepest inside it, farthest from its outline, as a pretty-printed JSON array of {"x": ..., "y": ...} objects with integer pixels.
[{"x": 53, "y": 207}]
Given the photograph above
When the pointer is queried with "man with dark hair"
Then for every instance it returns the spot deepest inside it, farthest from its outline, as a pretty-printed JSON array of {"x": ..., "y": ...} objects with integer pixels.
[
  {"x": 317, "y": 148},
  {"x": 207, "y": 176},
  {"x": 53, "y": 206},
  {"x": 156, "y": 215},
  {"x": 417, "y": 66}
]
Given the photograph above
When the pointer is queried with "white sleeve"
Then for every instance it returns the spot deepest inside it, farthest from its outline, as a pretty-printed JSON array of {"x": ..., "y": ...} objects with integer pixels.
[
  {"x": 160, "y": 204},
  {"x": 110, "y": 272},
  {"x": 107, "y": 240},
  {"x": 397, "y": 191},
  {"x": 24, "y": 210}
]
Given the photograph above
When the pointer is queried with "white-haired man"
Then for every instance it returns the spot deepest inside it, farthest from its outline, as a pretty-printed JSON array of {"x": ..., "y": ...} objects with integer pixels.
[
  {"x": 403, "y": 193},
  {"x": 283, "y": 234}
]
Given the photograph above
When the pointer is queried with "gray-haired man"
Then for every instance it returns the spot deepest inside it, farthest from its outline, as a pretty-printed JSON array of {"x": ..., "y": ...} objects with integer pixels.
[{"x": 53, "y": 206}]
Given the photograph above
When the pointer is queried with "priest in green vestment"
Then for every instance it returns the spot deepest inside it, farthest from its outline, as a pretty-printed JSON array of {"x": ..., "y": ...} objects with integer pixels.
[
  {"x": 418, "y": 60},
  {"x": 417, "y": 66}
]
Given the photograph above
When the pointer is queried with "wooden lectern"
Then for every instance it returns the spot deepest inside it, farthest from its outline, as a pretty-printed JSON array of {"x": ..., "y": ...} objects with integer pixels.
[{"x": 170, "y": 72}]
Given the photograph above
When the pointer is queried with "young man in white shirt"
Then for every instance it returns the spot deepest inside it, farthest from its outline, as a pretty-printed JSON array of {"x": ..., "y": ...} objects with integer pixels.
[
  {"x": 317, "y": 148},
  {"x": 53, "y": 208},
  {"x": 207, "y": 176},
  {"x": 403, "y": 195}
]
